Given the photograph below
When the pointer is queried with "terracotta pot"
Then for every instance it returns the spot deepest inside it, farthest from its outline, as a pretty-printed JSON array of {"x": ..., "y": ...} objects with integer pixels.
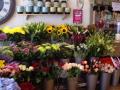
[
  {"x": 105, "y": 81},
  {"x": 72, "y": 83},
  {"x": 49, "y": 84},
  {"x": 92, "y": 81}
]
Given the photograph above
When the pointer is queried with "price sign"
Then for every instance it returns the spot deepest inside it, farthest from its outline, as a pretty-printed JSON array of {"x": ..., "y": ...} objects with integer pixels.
[{"x": 77, "y": 16}]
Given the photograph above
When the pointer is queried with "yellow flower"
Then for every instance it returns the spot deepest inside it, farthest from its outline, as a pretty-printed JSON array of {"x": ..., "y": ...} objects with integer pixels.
[
  {"x": 18, "y": 30},
  {"x": 7, "y": 30},
  {"x": 64, "y": 30},
  {"x": 50, "y": 29},
  {"x": 59, "y": 32},
  {"x": 2, "y": 63}
]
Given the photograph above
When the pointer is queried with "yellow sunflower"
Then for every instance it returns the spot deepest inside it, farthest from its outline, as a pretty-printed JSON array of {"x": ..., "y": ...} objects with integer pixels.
[
  {"x": 49, "y": 29},
  {"x": 59, "y": 32},
  {"x": 2, "y": 63},
  {"x": 64, "y": 30}
]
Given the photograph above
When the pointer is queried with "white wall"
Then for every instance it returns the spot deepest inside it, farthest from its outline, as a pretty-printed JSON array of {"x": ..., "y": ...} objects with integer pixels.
[{"x": 18, "y": 20}]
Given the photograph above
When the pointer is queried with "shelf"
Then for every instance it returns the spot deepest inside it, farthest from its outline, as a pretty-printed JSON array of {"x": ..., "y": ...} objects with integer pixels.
[{"x": 29, "y": 15}]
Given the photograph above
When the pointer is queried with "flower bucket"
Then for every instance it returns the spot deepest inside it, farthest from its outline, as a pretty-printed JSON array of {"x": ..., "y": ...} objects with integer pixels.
[
  {"x": 92, "y": 81},
  {"x": 116, "y": 77},
  {"x": 78, "y": 57},
  {"x": 105, "y": 81},
  {"x": 49, "y": 84},
  {"x": 72, "y": 83}
]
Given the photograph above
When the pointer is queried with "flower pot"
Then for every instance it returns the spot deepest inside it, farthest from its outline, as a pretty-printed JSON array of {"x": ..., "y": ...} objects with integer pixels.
[
  {"x": 20, "y": 9},
  {"x": 29, "y": 9},
  {"x": 49, "y": 84},
  {"x": 116, "y": 77},
  {"x": 36, "y": 9},
  {"x": 72, "y": 83},
  {"x": 92, "y": 78},
  {"x": 105, "y": 81}
]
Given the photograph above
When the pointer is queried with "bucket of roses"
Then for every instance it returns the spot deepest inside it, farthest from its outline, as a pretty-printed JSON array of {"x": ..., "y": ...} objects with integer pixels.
[
  {"x": 92, "y": 70},
  {"x": 73, "y": 71}
]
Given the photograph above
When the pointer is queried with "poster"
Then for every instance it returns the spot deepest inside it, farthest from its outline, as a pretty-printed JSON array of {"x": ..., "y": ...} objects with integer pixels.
[{"x": 77, "y": 16}]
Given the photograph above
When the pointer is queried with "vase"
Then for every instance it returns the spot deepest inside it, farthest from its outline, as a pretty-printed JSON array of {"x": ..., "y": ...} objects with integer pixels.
[
  {"x": 20, "y": 9},
  {"x": 77, "y": 57},
  {"x": 72, "y": 83},
  {"x": 116, "y": 77},
  {"x": 49, "y": 84},
  {"x": 105, "y": 81},
  {"x": 92, "y": 78}
]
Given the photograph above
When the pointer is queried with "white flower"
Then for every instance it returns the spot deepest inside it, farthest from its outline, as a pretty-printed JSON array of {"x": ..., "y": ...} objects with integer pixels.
[
  {"x": 30, "y": 68},
  {"x": 22, "y": 67}
]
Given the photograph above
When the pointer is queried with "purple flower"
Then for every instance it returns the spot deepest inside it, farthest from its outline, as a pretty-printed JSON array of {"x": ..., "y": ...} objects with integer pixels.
[
  {"x": 6, "y": 58},
  {"x": 3, "y": 36}
]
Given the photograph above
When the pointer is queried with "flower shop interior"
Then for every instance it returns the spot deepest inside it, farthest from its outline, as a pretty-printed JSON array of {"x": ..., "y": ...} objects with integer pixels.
[{"x": 59, "y": 44}]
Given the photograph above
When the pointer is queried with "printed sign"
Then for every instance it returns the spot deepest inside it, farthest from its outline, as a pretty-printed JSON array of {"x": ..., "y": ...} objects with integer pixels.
[
  {"x": 116, "y": 6},
  {"x": 77, "y": 16}
]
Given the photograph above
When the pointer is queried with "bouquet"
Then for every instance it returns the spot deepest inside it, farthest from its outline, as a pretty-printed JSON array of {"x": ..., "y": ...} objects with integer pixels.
[{"x": 72, "y": 69}]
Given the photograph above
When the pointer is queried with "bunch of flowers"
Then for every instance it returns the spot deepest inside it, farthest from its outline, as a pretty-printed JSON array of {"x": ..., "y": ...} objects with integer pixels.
[
  {"x": 108, "y": 68},
  {"x": 8, "y": 69},
  {"x": 59, "y": 33},
  {"x": 14, "y": 34},
  {"x": 73, "y": 69},
  {"x": 92, "y": 67},
  {"x": 99, "y": 44},
  {"x": 24, "y": 74},
  {"x": 24, "y": 52},
  {"x": 47, "y": 51},
  {"x": 36, "y": 32},
  {"x": 3, "y": 37}
]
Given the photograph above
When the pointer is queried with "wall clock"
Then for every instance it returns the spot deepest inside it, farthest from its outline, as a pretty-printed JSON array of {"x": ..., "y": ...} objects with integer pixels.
[{"x": 7, "y": 8}]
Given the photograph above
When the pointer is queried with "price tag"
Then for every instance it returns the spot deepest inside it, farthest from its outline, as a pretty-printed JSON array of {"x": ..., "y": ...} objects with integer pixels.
[{"x": 77, "y": 16}]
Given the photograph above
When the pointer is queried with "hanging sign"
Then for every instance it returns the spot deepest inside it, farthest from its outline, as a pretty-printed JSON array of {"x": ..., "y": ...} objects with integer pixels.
[
  {"x": 77, "y": 16},
  {"x": 116, "y": 6}
]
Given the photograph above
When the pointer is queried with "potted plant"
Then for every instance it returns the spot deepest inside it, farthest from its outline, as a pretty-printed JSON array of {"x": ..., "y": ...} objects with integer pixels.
[
  {"x": 92, "y": 70},
  {"x": 73, "y": 71}
]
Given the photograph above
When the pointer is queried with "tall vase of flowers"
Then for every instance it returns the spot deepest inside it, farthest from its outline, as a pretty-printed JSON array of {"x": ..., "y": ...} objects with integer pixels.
[
  {"x": 107, "y": 71},
  {"x": 92, "y": 69},
  {"x": 73, "y": 71}
]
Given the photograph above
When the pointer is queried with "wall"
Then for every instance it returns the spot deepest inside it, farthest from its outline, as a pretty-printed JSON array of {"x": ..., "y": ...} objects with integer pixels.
[{"x": 18, "y": 20}]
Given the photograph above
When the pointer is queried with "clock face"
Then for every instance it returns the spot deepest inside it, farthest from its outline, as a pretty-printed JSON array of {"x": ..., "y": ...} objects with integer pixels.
[{"x": 7, "y": 8}]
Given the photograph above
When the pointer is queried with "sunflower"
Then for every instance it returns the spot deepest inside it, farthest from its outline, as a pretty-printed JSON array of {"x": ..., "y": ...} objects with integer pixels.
[
  {"x": 59, "y": 32},
  {"x": 49, "y": 29},
  {"x": 64, "y": 30}
]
